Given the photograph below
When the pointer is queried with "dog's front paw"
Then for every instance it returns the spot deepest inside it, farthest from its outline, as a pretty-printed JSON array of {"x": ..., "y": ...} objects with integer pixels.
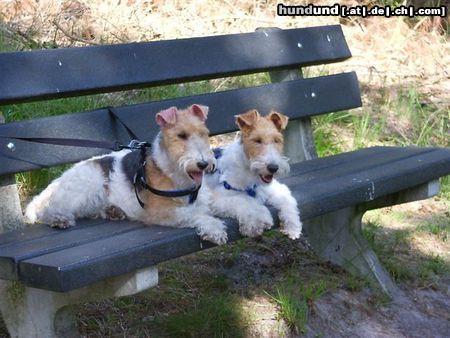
[
  {"x": 115, "y": 213},
  {"x": 215, "y": 232},
  {"x": 254, "y": 223},
  {"x": 62, "y": 222},
  {"x": 293, "y": 229}
]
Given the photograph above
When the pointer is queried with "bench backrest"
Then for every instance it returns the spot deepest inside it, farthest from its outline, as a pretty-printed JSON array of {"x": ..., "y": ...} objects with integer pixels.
[{"x": 50, "y": 74}]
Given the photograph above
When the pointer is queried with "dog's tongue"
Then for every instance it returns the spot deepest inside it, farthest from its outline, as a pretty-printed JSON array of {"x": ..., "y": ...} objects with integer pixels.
[
  {"x": 197, "y": 176},
  {"x": 267, "y": 178}
]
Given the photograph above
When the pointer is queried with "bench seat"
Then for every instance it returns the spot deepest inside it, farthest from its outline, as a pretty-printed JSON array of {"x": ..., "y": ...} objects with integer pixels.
[{"x": 63, "y": 260}]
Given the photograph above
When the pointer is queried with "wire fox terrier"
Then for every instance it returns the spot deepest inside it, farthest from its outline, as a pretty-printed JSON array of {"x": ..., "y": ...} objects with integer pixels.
[
  {"x": 244, "y": 179},
  {"x": 113, "y": 186}
]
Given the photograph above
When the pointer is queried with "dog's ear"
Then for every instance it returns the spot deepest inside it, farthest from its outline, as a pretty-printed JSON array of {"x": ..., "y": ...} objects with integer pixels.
[
  {"x": 279, "y": 120},
  {"x": 247, "y": 120},
  {"x": 166, "y": 117},
  {"x": 200, "y": 111}
]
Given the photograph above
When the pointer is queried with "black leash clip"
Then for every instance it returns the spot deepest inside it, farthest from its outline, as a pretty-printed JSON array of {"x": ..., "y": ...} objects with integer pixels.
[{"x": 136, "y": 144}]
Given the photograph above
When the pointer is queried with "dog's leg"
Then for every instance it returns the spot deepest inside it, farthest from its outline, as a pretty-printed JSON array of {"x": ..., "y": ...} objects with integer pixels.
[
  {"x": 279, "y": 196},
  {"x": 208, "y": 227},
  {"x": 253, "y": 217}
]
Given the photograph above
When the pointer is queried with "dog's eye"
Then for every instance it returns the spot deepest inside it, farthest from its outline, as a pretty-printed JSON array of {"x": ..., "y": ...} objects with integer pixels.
[
  {"x": 277, "y": 140},
  {"x": 257, "y": 140},
  {"x": 183, "y": 135}
]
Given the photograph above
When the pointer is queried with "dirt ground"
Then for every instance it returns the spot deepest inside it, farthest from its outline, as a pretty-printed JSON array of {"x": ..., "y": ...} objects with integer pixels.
[{"x": 416, "y": 313}]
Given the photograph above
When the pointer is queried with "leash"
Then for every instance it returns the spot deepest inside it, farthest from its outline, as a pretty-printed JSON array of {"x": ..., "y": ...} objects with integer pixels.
[
  {"x": 87, "y": 143},
  {"x": 251, "y": 191}
]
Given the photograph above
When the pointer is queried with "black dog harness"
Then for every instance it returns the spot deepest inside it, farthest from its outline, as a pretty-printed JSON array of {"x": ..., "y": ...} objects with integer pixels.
[{"x": 139, "y": 179}]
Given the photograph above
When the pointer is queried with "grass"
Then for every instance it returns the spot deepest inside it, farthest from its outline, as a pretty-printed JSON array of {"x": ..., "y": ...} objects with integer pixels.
[
  {"x": 429, "y": 125},
  {"x": 387, "y": 249},
  {"x": 445, "y": 187},
  {"x": 438, "y": 225},
  {"x": 326, "y": 140},
  {"x": 193, "y": 300},
  {"x": 293, "y": 309},
  {"x": 432, "y": 266},
  {"x": 404, "y": 119},
  {"x": 294, "y": 298},
  {"x": 395, "y": 247},
  {"x": 216, "y": 316},
  {"x": 354, "y": 283}
]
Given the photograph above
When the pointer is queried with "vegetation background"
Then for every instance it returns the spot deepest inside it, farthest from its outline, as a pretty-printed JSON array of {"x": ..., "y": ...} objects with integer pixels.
[{"x": 271, "y": 286}]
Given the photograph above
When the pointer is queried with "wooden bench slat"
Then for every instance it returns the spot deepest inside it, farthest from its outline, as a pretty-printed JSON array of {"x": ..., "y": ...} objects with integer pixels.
[
  {"x": 59, "y": 241},
  {"x": 369, "y": 158},
  {"x": 294, "y": 98},
  {"x": 45, "y": 74},
  {"x": 37, "y": 231},
  {"x": 351, "y": 187},
  {"x": 78, "y": 266},
  {"x": 82, "y": 265}
]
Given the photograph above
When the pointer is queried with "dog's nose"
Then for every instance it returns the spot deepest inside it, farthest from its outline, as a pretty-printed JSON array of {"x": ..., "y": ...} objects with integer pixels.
[
  {"x": 273, "y": 168},
  {"x": 202, "y": 164}
]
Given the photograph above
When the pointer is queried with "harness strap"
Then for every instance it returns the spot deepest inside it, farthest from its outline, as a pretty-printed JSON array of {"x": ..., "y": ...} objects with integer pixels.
[{"x": 139, "y": 177}]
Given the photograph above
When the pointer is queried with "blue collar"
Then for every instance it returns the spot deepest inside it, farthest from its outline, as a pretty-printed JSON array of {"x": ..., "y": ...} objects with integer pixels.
[
  {"x": 217, "y": 152},
  {"x": 251, "y": 191}
]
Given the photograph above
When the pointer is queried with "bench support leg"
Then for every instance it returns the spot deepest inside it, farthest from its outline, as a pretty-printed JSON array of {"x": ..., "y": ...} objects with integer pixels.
[
  {"x": 337, "y": 237},
  {"x": 30, "y": 312}
]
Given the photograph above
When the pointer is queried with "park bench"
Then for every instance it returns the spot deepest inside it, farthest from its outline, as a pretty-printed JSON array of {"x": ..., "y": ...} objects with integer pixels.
[{"x": 44, "y": 270}]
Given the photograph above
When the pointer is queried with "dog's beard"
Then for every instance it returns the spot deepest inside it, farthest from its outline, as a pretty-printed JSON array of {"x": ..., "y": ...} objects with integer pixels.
[
  {"x": 258, "y": 166},
  {"x": 188, "y": 166}
]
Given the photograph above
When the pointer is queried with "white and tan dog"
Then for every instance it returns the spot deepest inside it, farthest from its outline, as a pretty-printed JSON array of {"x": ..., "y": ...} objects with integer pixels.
[
  {"x": 104, "y": 186},
  {"x": 244, "y": 179}
]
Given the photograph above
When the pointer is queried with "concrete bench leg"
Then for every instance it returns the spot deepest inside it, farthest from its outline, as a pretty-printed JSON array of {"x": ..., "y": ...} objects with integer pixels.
[
  {"x": 337, "y": 238},
  {"x": 30, "y": 312}
]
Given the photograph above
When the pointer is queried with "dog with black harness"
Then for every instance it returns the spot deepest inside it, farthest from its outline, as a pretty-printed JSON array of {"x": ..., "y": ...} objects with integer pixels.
[{"x": 154, "y": 185}]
